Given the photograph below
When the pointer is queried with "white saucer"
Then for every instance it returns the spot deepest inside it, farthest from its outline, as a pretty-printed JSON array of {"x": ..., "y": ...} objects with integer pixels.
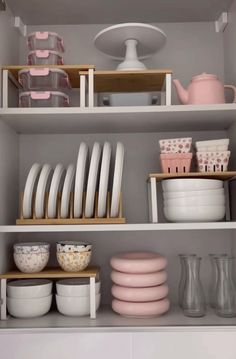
[
  {"x": 104, "y": 176},
  {"x": 43, "y": 185},
  {"x": 30, "y": 185},
  {"x": 67, "y": 189},
  {"x": 80, "y": 179},
  {"x": 56, "y": 185},
  {"x": 117, "y": 180},
  {"x": 92, "y": 180}
]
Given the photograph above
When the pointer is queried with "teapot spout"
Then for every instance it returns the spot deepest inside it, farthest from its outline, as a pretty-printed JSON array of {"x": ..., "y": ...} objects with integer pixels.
[{"x": 181, "y": 92}]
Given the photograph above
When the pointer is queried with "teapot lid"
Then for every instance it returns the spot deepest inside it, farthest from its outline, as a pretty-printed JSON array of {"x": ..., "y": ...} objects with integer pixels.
[{"x": 204, "y": 76}]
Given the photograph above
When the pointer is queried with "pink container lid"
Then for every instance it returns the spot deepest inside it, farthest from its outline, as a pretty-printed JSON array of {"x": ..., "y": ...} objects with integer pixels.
[
  {"x": 138, "y": 262},
  {"x": 148, "y": 294},
  {"x": 148, "y": 309},
  {"x": 138, "y": 280}
]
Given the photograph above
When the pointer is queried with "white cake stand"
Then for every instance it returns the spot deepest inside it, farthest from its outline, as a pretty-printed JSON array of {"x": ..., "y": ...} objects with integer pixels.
[{"x": 131, "y": 42}]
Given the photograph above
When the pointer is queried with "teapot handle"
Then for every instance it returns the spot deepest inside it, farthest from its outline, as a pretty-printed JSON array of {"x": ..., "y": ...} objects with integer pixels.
[{"x": 234, "y": 90}]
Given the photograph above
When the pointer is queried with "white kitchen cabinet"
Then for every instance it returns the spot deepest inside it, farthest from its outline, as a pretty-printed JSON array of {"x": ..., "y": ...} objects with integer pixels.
[{"x": 52, "y": 135}]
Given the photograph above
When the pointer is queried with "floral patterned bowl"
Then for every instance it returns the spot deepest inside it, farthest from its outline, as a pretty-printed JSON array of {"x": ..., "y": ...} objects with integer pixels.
[
  {"x": 74, "y": 261},
  {"x": 213, "y": 161},
  {"x": 31, "y": 262}
]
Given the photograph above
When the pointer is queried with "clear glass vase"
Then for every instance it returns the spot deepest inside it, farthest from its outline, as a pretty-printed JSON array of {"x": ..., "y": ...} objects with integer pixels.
[
  {"x": 194, "y": 304},
  {"x": 214, "y": 278},
  {"x": 182, "y": 277},
  {"x": 225, "y": 299}
]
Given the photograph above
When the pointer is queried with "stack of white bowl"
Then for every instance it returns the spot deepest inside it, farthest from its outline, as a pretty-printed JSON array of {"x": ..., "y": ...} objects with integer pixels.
[
  {"x": 73, "y": 256},
  {"x": 29, "y": 298},
  {"x": 73, "y": 296},
  {"x": 193, "y": 200}
]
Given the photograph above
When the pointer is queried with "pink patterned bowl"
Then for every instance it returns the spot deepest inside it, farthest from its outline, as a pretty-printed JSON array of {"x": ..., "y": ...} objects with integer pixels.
[
  {"x": 138, "y": 280},
  {"x": 148, "y": 309},
  {"x": 148, "y": 294},
  {"x": 138, "y": 262}
]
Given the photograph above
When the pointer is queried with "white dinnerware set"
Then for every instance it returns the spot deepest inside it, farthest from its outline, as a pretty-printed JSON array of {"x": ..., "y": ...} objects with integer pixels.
[
  {"x": 193, "y": 200},
  {"x": 48, "y": 192},
  {"x": 73, "y": 296},
  {"x": 31, "y": 298}
]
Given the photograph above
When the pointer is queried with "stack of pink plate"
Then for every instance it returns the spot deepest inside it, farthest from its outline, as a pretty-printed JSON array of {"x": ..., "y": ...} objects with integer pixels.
[{"x": 139, "y": 284}]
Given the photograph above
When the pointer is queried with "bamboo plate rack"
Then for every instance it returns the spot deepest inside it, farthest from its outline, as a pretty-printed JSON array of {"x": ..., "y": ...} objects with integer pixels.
[{"x": 71, "y": 219}]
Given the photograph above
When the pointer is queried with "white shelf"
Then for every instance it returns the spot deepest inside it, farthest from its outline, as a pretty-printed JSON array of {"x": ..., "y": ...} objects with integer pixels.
[
  {"x": 108, "y": 321},
  {"x": 120, "y": 119},
  {"x": 119, "y": 227}
]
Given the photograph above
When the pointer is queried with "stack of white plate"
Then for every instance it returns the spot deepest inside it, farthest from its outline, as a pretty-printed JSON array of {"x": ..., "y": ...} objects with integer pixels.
[
  {"x": 29, "y": 298},
  {"x": 193, "y": 200},
  {"x": 89, "y": 175},
  {"x": 73, "y": 296}
]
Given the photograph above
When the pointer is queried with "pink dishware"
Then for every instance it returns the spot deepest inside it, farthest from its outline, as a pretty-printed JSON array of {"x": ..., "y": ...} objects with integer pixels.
[
  {"x": 203, "y": 89},
  {"x": 138, "y": 262},
  {"x": 138, "y": 280},
  {"x": 140, "y": 294},
  {"x": 176, "y": 162},
  {"x": 143, "y": 310}
]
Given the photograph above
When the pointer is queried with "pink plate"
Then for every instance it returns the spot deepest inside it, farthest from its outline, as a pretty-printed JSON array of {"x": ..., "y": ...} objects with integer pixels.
[
  {"x": 140, "y": 294},
  {"x": 148, "y": 309},
  {"x": 138, "y": 262},
  {"x": 138, "y": 280}
]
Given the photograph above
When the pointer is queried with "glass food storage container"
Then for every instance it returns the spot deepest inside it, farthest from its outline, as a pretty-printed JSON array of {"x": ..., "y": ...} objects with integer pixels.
[
  {"x": 44, "y": 79},
  {"x": 44, "y": 57},
  {"x": 45, "y": 41},
  {"x": 43, "y": 99}
]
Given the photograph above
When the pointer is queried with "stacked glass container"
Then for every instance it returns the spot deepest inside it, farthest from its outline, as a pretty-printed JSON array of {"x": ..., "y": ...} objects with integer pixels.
[{"x": 45, "y": 84}]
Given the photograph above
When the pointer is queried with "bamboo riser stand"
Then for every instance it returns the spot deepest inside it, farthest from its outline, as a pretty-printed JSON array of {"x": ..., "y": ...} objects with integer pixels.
[{"x": 71, "y": 219}]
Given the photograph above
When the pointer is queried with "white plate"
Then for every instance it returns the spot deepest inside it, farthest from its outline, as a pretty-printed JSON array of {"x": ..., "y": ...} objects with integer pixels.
[
  {"x": 117, "y": 180},
  {"x": 67, "y": 189},
  {"x": 30, "y": 186},
  {"x": 56, "y": 185},
  {"x": 92, "y": 180},
  {"x": 104, "y": 176},
  {"x": 80, "y": 179},
  {"x": 43, "y": 184}
]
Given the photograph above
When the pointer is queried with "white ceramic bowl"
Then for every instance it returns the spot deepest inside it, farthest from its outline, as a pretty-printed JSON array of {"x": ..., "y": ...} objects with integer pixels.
[
  {"x": 194, "y": 214},
  {"x": 75, "y": 287},
  {"x": 31, "y": 247},
  {"x": 29, "y": 308},
  {"x": 74, "y": 262},
  {"x": 180, "y": 194},
  {"x": 32, "y": 262},
  {"x": 75, "y": 306},
  {"x": 29, "y": 288},
  {"x": 196, "y": 201},
  {"x": 73, "y": 246},
  {"x": 190, "y": 184}
]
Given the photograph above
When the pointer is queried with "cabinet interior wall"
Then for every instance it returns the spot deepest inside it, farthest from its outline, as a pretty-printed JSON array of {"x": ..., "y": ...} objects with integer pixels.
[{"x": 191, "y": 49}]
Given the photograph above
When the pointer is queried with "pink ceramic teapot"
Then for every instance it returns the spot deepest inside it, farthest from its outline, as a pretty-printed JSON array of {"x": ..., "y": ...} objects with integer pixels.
[{"x": 203, "y": 89}]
